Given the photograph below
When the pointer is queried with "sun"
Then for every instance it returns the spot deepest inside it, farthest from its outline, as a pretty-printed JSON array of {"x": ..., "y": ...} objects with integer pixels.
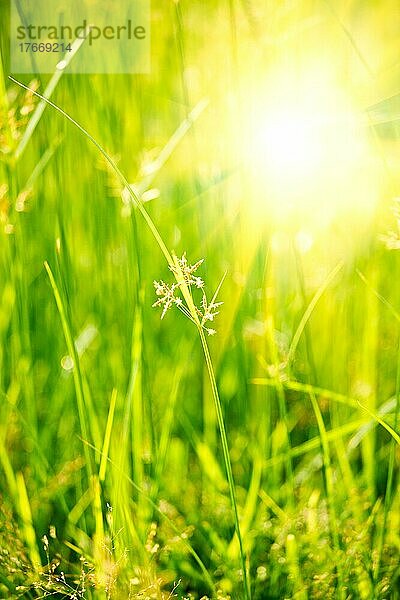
[
  {"x": 308, "y": 151},
  {"x": 291, "y": 143}
]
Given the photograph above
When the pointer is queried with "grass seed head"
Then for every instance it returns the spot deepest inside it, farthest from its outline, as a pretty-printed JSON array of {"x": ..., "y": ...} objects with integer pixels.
[{"x": 167, "y": 294}]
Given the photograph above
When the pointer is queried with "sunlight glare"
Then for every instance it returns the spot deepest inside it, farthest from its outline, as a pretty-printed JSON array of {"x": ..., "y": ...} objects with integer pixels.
[
  {"x": 290, "y": 144},
  {"x": 309, "y": 152}
]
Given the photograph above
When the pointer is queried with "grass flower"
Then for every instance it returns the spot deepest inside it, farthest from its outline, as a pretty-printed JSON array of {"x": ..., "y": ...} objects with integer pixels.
[
  {"x": 170, "y": 294},
  {"x": 166, "y": 296}
]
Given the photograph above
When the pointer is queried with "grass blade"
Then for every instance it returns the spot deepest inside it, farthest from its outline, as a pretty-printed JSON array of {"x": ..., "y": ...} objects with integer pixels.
[
  {"x": 51, "y": 86},
  {"x": 76, "y": 369}
]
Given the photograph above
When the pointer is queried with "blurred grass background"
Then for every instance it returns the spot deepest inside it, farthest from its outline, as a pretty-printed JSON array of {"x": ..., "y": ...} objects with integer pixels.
[{"x": 306, "y": 350}]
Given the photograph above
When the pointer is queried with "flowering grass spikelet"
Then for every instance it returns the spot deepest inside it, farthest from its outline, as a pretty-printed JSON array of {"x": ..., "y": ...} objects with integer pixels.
[{"x": 168, "y": 294}]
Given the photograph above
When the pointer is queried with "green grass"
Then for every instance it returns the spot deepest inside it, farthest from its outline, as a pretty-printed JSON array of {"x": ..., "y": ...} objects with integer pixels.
[{"x": 141, "y": 458}]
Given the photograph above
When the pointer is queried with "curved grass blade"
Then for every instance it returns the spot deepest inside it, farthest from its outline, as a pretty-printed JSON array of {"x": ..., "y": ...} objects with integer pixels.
[{"x": 134, "y": 197}]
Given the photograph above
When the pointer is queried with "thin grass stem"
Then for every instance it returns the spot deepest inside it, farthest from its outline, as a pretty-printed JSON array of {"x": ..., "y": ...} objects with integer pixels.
[{"x": 227, "y": 460}]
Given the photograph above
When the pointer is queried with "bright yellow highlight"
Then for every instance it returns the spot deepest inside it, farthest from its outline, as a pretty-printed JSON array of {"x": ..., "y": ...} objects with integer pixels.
[
  {"x": 291, "y": 144},
  {"x": 309, "y": 152}
]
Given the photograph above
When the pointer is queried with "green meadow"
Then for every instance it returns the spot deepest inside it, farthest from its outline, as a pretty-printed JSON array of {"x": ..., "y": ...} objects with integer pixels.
[{"x": 200, "y": 312}]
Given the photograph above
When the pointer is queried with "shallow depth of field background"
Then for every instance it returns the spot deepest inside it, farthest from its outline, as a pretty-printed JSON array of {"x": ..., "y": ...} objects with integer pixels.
[{"x": 285, "y": 180}]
